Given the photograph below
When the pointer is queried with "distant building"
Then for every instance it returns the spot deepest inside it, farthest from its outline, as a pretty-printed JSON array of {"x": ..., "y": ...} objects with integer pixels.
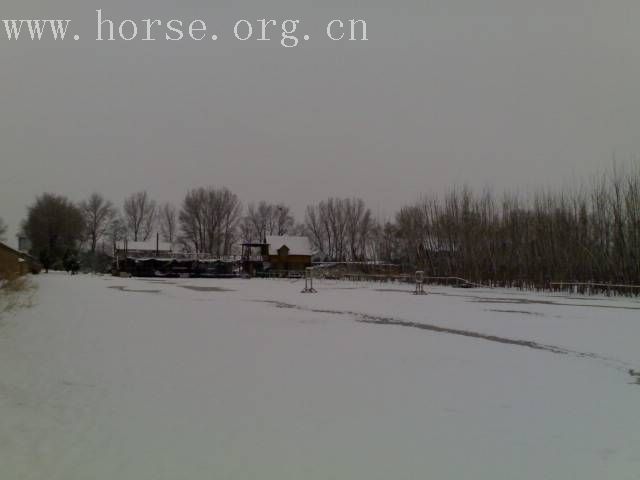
[
  {"x": 141, "y": 259},
  {"x": 149, "y": 248},
  {"x": 154, "y": 258},
  {"x": 277, "y": 253},
  {"x": 289, "y": 253},
  {"x": 24, "y": 244},
  {"x": 14, "y": 263}
]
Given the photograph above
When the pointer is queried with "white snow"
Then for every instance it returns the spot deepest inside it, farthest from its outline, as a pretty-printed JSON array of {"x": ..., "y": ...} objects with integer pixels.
[
  {"x": 111, "y": 378},
  {"x": 296, "y": 245}
]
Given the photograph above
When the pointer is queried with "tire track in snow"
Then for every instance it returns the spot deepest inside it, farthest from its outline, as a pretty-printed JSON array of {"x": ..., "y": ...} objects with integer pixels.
[{"x": 380, "y": 320}]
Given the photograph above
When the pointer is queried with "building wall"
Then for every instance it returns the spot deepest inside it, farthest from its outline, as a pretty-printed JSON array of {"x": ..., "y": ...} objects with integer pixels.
[
  {"x": 11, "y": 265},
  {"x": 289, "y": 262}
]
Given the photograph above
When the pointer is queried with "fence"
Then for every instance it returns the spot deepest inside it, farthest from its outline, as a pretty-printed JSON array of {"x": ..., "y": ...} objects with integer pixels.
[
  {"x": 594, "y": 288},
  {"x": 582, "y": 288}
]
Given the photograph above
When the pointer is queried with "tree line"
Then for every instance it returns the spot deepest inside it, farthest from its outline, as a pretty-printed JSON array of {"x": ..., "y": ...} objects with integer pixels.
[
  {"x": 583, "y": 234},
  {"x": 590, "y": 232}
]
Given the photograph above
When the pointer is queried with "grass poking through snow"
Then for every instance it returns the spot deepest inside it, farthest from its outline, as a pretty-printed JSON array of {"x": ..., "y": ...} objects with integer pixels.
[{"x": 15, "y": 294}]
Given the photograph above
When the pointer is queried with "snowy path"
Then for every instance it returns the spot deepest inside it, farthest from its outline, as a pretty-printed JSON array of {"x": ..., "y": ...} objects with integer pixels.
[{"x": 109, "y": 378}]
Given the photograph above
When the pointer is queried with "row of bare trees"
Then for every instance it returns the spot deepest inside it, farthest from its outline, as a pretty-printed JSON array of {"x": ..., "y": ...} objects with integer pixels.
[
  {"x": 341, "y": 229},
  {"x": 140, "y": 219},
  {"x": 587, "y": 233},
  {"x": 209, "y": 220},
  {"x": 206, "y": 222},
  {"x": 264, "y": 219}
]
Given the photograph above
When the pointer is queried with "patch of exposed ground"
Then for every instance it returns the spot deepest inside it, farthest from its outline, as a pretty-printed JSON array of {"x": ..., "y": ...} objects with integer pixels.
[{"x": 16, "y": 294}]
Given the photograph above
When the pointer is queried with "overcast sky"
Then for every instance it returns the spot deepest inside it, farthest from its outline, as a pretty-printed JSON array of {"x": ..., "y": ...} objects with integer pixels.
[{"x": 507, "y": 93}]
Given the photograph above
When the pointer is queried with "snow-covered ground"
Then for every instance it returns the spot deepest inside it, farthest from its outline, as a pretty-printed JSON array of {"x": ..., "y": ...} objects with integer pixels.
[{"x": 109, "y": 378}]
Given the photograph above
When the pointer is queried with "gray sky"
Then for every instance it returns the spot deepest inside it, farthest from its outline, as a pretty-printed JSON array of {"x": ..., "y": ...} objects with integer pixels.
[{"x": 507, "y": 93}]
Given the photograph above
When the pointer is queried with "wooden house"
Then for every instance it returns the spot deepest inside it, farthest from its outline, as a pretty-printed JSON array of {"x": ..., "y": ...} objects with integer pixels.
[
  {"x": 277, "y": 254},
  {"x": 288, "y": 253},
  {"x": 14, "y": 263}
]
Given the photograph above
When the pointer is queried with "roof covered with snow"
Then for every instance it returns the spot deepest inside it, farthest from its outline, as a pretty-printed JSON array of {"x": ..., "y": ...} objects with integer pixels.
[
  {"x": 13, "y": 251},
  {"x": 296, "y": 245}
]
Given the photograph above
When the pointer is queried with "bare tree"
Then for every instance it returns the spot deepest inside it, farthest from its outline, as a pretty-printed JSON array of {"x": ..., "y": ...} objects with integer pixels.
[
  {"x": 266, "y": 219},
  {"x": 3, "y": 230},
  {"x": 230, "y": 212},
  {"x": 97, "y": 213},
  {"x": 315, "y": 231},
  {"x": 358, "y": 228},
  {"x": 246, "y": 231},
  {"x": 340, "y": 229},
  {"x": 284, "y": 221},
  {"x": 139, "y": 214},
  {"x": 116, "y": 230},
  {"x": 209, "y": 220},
  {"x": 298, "y": 229},
  {"x": 259, "y": 220},
  {"x": 193, "y": 220},
  {"x": 168, "y": 220},
  {"x": 578, "y": 234},
  {"x": 384, "y": 242}
]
